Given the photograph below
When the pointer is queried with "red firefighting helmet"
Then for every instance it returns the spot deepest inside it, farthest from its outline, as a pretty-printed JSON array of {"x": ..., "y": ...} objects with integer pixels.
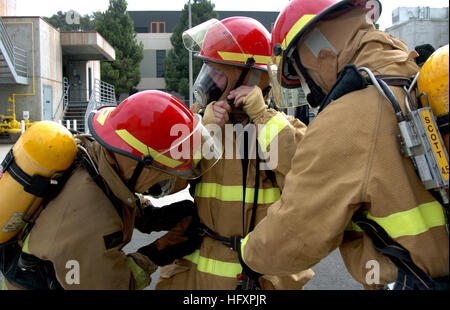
[
  {"x": 142, "y": 127},
  {"x": 239, "y": 41},
  {"x": 228, "y": 48},
  {"x": 297, "y": 18}
]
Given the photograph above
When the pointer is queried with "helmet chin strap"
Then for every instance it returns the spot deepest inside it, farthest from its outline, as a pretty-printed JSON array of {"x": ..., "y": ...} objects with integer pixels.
[
  {"x": 131, "y": 184},
  {"x": 250, "y": 62}
]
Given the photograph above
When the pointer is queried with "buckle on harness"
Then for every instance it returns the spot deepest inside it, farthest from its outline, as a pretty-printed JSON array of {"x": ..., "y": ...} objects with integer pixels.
[
  {"x": 9, "y": 158},
  {"x": 231, "y": 242},
  {"x": 36, "y": 185},
  {"x": 235, "y": 242},
  {"x": 202, "y": 231}
]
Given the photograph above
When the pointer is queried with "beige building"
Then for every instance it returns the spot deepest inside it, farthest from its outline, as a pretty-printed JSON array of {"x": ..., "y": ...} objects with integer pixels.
[
  {"x": 154, "y": 29},
  {"x": 46, "y": 74},
  {"x": 156, "y": 46}
]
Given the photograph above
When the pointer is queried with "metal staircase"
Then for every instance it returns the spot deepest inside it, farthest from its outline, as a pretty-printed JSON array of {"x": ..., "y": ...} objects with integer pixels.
[
  {"x": 103, "y": 94},
  {"x": 75, "y": 111},
  {"x": 13, "y": 60}
]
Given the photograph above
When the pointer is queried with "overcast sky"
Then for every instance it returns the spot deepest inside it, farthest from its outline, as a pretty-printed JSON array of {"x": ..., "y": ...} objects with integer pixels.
[{"x": 50, "y": 7}]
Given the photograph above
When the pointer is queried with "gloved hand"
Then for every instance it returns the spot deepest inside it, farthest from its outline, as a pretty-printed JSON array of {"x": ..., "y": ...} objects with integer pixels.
[
  {"x": 144, "y": 201},
  {"x": 142, "y": 268},
  {"x": 181, "y": 240},
  {"x": 249, "y": 278},
  {"x": 217, "y": 112},
  {"x": 251, "y": 99},
  {"x": 164, "y": 218},
  {"x": 196, "y": 108}
]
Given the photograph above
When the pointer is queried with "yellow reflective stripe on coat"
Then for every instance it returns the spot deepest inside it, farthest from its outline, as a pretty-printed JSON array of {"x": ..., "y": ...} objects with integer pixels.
[
  {"x": 25, "y": 248},
  {"x": 235, "y": 193},
  {"x": 146, "y": 150},
  {"x": 230, "y": 56},
  {"x": 213, "y": 266},
  {"x": 243, "y": 246},
  {"x": 271, "y": 130},
  {"x": 198, "y": 156},
  {"x": 411, "y": 222},
  {"x": 296, "y": 29},
  {"x": 4, "y": 287},
  {"x": 140, "y": 276}
]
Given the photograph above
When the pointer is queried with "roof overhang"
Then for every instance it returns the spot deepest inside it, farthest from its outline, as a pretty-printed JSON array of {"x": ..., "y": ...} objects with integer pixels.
[{"x": 89, "y": 45}]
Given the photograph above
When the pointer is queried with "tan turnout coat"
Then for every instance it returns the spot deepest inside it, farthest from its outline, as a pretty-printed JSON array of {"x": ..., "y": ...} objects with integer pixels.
[
  {"x": 350, "y": 159},
  {"x": 219, "y": 195},
  {"x": 70, "y": 232}
]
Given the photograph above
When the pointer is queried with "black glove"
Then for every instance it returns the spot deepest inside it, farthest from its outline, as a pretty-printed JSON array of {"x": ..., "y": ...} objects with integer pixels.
[
  {"x": 181, "y": 240},
  {"x": 164, "y": 218},
  {"x": 249, "y": 279}
]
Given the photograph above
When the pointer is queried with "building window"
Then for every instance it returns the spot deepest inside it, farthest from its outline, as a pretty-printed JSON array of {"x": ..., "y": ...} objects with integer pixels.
[
  {"x": 141, "y": 29},
  {"x": 395, "y": 18},
  {"x": 160, "y": 56},
  {"x": 158, "y": 27}
]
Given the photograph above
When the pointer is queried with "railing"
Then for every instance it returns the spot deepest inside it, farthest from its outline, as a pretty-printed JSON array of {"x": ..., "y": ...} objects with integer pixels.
[
  {"x": 64, "y": 99},
  {"x": 20, "y": 61},
  {"x": 4, "y": 37},
  {"x": 104, "y": 94},
  {"x": 18, "y": 56}
]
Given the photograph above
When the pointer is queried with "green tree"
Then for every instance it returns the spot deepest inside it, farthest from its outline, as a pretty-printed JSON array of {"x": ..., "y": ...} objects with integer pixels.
[
  {"x": 117, "y": 27},
  {"x": 177, "y": 60},
  {"x": 67, "y": 21}
]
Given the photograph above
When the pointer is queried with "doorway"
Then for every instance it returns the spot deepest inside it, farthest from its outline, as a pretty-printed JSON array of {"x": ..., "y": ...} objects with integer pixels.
[{"x": 47, "y": 103}]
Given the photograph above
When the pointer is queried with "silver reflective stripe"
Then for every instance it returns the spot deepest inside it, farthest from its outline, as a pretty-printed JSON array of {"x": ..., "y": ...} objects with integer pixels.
[{"x": 317, "y": 41}]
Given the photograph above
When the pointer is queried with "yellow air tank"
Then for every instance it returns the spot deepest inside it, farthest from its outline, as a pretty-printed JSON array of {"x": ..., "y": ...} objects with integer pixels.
[
  {"x": 46, "y": 149},
  {"x": 433, "y": 80}
]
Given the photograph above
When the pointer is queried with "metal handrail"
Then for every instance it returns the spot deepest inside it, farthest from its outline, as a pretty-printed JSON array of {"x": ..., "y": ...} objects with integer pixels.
[
  {"x": 104, "y": 94},
  {"x": 64, "y": 99},
  {"x": 17, "y": 55},
  {"x": 6, "y": 40},
  {"x": 20, "y": 61}
]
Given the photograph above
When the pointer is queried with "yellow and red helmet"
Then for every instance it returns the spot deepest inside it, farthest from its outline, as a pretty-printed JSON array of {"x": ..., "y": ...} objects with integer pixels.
[
  {"x": 146, "y": 127},
  {"x": 297, "y": 18}
]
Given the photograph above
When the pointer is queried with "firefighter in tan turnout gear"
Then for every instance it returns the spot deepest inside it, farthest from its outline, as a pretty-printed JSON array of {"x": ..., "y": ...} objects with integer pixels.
[
  {"x": 350, "y": 186},
  {"x": 236, "y": 193},
  {"x": 76, "y": 241}
]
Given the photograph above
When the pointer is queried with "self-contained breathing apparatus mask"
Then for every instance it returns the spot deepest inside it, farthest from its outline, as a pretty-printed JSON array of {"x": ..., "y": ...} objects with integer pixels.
[
  {"x": 209, "y": 85},
  {"x": 161, "y": 189},
  {"x": 212, "y": 82},
  {"x": 302, "y": 85},
  {"x": 284, "y": 96},
  {"x": 230, "y": 55}
]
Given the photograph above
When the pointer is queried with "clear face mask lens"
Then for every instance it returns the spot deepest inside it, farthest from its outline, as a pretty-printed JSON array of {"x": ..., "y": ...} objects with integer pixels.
[
  {"x": 200, "y": 97},
  {"x": 285, "y": 97},
  {"x": 209, "y": 85}
]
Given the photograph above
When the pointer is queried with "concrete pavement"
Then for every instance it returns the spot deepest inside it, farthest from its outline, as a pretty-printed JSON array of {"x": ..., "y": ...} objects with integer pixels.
[{"x": 4, "y": 148}]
